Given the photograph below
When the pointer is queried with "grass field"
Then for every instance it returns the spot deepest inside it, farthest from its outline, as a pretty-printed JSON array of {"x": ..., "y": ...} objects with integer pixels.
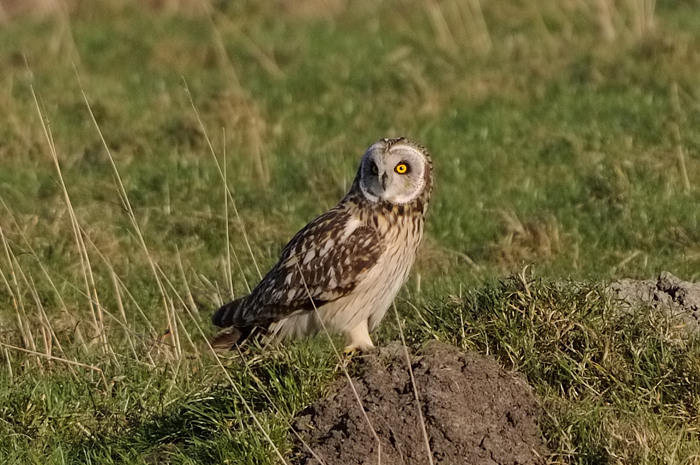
[{"x": 154, "y": 161}]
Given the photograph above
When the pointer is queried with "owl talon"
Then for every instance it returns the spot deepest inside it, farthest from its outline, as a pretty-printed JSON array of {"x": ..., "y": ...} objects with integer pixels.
[
  {"x": 352, "y": 351},
  {"x": 349, "y": 351}
]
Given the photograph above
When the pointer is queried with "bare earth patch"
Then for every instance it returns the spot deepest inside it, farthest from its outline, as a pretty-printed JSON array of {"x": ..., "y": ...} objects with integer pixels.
[
  {"x": 474, "y": 412},
  {"x": 679, "y": 299}
]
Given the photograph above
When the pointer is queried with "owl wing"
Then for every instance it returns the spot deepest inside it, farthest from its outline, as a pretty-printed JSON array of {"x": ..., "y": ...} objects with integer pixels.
[{"x": 323, "y": 262}]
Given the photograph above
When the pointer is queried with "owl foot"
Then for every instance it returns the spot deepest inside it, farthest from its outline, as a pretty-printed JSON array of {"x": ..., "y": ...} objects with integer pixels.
[
  {"x": 358, "y": 342},
  {"x": 352, "y": 352},
  {"x": 358, "y": 339}
]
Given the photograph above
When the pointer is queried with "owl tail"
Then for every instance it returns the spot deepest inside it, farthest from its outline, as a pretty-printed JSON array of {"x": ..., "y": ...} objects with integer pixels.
[
  {"x": 228, "y": 314},
  {"x": 228, "y": 317},
  {"x": 229, "y": 338}
]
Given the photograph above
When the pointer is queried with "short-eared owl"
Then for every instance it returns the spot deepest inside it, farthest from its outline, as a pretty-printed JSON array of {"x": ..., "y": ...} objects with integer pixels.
[{"x": 343, "y": 269}]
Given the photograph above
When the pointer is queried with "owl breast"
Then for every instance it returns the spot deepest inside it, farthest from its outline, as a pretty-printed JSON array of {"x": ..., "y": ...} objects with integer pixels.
[
  {"x": 385, "y": 281},
  {"x": 401, "y": 234}
]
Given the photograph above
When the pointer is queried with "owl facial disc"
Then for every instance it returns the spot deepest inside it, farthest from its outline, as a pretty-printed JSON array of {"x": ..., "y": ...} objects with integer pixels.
[{"x": 393, "y": 170}]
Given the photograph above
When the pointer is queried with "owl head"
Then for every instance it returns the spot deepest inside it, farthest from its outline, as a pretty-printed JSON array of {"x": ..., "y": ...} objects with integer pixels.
[{"x": 396, "y": 171}]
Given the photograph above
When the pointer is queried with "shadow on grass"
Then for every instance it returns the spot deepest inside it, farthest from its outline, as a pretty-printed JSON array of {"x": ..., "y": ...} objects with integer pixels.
[{"x": 212, "y": 424}]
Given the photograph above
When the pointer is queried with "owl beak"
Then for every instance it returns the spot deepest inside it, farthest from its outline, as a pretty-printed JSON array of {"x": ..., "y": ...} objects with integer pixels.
[{"x": 384, "y": 178}]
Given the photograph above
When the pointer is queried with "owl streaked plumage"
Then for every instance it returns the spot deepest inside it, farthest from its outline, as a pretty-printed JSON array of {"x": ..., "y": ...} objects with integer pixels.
[{"x": 343, "y": 269}]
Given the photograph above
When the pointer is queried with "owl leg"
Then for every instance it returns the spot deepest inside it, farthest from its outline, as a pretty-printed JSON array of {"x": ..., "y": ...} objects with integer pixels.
[{"x": 358, "y": 338}]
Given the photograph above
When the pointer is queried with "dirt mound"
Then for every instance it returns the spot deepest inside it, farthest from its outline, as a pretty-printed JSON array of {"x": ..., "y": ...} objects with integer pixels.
[
  {"x": 474, "y": 413},
  {"x": 678, "y": 298}
]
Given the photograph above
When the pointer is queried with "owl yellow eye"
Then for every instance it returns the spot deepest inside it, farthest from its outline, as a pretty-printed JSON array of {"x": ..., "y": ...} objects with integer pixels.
[
  {"x": 401, "y": 168},
  {"x": 375, "y": 170}
]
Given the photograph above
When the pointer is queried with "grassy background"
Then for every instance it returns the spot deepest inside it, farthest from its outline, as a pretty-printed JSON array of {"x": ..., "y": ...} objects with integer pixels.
[{"x": 564, "y": 136}]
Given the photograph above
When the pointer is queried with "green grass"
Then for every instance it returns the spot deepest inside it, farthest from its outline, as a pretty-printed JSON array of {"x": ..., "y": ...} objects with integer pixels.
[
  {"x": 555, "y": 145},
  {"x": 618, "y": 387}
]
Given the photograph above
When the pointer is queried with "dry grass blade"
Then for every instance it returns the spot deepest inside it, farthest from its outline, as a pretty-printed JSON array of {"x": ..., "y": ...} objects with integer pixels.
[
  {"x": 229, "y": 270},
  {"x": 630, "y": 19},
  {"x": 119, "y": 288},
  {"x": 345, "y": 370},
  {"x": 59, "y": 359},
  {"x": 88, "y": 277},
  {"x": 236, "y": 390},
  {"x": 16, "y": 297},
  {"x": 190, "y": 298},
  {"x": 42, "y": 266},
  {"x": 127, "y": 206},
  {"x": 255, "y": 142},
  {"x": 419, "y": 409},
  {"x": 223, "y": 177},
  {"x": 246, "y": 363},
  {"x": 122, "y": 312},
  {"x": 460, "y": 25},
  {"x": 605, "y": 22},
  {"x": 680, "y": 154}
]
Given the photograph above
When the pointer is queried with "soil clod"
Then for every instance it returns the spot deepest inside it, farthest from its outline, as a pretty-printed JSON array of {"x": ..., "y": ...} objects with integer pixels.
[{"x": 679, "y": 299}]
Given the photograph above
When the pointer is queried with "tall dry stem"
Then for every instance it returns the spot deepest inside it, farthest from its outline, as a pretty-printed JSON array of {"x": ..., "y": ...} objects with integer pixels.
[
  {"x": 223, "y": 178},
  {"x": 247, "y": 112},
  {"x": 237, "y": 391},
  {"x": 341, "y": 363},
  {"x": 130, "y": 212},
  {"x": 47, "y": 276},
  {"x": 86, "y": 267},
  {"x": 459, "y": 25},
  {"x": 15, "y": 294},
  {"x": 419, "y": 409},
  {"x": 627, "y": 19}
]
